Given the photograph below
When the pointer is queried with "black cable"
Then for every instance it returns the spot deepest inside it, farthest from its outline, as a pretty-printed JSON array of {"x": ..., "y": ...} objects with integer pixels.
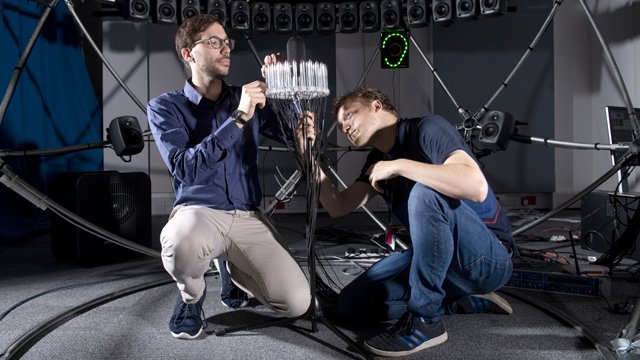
[{"x": 26, "y": 300}]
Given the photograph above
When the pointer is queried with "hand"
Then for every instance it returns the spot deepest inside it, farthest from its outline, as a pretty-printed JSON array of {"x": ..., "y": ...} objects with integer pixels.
[
  {"x": 253, "y": 94},
  {"x": 382, "y": 170},
  {"x": 269, "y": 60},
  {"x": 301, "y": 139}
]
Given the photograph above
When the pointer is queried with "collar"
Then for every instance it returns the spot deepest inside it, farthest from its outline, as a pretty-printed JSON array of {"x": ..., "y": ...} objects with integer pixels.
[{"x": 195, "y": 97}]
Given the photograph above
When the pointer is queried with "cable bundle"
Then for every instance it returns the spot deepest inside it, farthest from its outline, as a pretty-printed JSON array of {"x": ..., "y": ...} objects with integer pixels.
[{"x": 296, "y": 89}]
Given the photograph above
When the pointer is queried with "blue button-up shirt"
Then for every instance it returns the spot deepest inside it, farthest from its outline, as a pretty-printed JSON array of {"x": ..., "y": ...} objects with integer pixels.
[{"x": 213, "y": 162}]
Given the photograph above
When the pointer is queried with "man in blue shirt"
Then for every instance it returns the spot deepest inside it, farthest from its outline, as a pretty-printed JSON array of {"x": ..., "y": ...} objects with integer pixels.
[
  {"x": 460, "y": 236},
  {"x": 208, "y": 135}
]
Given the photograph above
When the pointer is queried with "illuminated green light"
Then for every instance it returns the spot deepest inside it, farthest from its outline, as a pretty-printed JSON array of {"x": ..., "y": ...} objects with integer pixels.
[{"x": 395, "y": 49}]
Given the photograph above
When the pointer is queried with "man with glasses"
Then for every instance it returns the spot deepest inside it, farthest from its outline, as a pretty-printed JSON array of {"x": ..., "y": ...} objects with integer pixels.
[{"x": 208, "y": 135}]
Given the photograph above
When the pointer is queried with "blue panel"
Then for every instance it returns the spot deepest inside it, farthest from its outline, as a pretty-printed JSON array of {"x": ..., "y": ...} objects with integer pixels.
[{"x": 54, "y": 105}]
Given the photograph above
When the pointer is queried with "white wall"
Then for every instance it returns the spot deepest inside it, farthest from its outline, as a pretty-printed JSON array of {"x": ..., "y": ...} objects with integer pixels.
[{"x": 584, "y": 86}]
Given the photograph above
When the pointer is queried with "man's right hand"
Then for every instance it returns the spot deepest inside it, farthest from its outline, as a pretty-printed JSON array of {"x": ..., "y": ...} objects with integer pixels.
[{"x": 253, "y": 94}]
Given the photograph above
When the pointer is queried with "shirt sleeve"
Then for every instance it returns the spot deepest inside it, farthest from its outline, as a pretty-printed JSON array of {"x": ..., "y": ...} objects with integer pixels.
[
  {"x": 438, "y": 139},
  {"x": 187, "y": 162}
]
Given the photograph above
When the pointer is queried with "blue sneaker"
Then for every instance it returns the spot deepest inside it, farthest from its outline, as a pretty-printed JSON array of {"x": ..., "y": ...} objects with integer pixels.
[
  {"x": 188, "y": 320},
  {"x": 408, "y": 335},
  {"x": 231, "y": 295}
]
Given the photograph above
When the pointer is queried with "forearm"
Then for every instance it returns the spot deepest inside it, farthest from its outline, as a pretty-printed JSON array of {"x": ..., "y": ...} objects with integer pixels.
[{"x": 460, "y": 181}]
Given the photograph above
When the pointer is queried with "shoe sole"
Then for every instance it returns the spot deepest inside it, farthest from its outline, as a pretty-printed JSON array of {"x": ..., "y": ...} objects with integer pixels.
[
  {"x": 427, "y": 344},
  {"x": 243, "y": 304},
  {"x": 186, "y": 336},
  {"x": 498, "y": 300}
]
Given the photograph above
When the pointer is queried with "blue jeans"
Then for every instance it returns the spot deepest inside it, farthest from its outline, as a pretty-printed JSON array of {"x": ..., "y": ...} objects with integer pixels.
[{"x": 453, "y": 254}]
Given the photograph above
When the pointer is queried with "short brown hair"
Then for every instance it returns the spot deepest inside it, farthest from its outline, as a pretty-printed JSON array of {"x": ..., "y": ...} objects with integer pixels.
[
  {"x": 365, "y": 96},
  {"x": 189, "y": 31}
]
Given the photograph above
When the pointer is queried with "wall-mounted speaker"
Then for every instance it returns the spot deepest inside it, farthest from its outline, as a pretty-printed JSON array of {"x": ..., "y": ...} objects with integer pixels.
[
  {"x": 466, "y": 9},
  {"x": 164, "y": 12},
  {"x": 442, "y": 11},
  {"x": 239, "y": 15},
  {"x": 188, "y": 8},
  {"x": 390, "y": 14},
  {"x": 261, "y": 17},
  {"x": 218, "y": 9},
  {"x": 348, "y": 17},
  {"x": 417, "y": 13},
  {"x": 492, "y": 7},
  {"x": 369, "y": 16},
  {"x": 117, "y": 202},
  {"x": 136, "y": 10},
  {"x": 282, "y": 17},
  {"x": 326, "y": 17},
  {"x": 305, "y": 18}
]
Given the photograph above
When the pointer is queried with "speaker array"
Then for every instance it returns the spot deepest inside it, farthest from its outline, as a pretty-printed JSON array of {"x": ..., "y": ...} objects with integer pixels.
[{"x": 307, "y": 17}]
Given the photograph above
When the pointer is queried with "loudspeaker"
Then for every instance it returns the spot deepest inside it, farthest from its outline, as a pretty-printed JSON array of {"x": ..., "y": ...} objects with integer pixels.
[
  {"x": 164, "y": 12},
  {"x": 369, "y": 16},
  {"x": 239, "y": 15},
  {"x": 188, "y": 8},
  {"x": 125, "y": 135},
  {"x": 261, "y": 17},
  {"x": 492, "y": 7},
  {"x": 326, "y": 17},
  {"x": 347, "y": 17},
  {"x": 604, "y": 216},
  {"x": 390, "y": 14},
  {"x": 466, "y": 9},
  {"x": 417, "y": 13},
  {"x": 117, "y": 202},
  {"x": 282, "y": 17},
  {"x": 442, "y": 11},
  {"x": 218, "y": 9},
  {"x": 496, "y": 128},
  {"x": 136, "y": 10},
  {"x": 305, "y": 18}
]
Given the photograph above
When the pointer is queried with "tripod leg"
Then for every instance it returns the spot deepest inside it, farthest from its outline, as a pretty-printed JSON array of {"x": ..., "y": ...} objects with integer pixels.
[{"x": 344, "y": 337}]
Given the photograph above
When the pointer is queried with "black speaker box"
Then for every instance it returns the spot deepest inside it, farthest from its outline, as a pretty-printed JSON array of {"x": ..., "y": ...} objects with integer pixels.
[
  {"x": 604, "y": 217},
  {"x": 117, "y": 202},
  {"x": 136, "y": 10},
  {"x": 164, "y": 12},
  {"x": 496, "y": 128},
  {"x": 217, "y": 8},
  {"x": 188, "y": 8}
]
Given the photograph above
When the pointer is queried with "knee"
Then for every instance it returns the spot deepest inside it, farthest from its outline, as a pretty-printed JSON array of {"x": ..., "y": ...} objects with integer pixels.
[
  {"x": 421, "y": 195},
  {"x": 185, "y": 244},
  {"x": 298, "y": 302}
]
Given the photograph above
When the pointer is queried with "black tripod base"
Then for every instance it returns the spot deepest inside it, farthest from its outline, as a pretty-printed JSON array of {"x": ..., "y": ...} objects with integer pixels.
[
  {"x": 284, "y": 320},
  {"x": 344, "y": 337},
  {"x": 259, "y": 325}
]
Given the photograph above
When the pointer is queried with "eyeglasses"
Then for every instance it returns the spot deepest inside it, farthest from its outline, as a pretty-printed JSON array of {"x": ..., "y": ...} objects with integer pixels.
[{"x": 216, "y": 42}]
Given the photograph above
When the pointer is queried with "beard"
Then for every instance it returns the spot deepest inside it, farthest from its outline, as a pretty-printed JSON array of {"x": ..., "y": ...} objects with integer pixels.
[{"x": 215, "y": 70}]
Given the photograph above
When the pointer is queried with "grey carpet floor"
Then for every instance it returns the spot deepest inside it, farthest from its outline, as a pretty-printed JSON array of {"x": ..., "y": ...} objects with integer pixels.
[{"x": 135, "y": 326}]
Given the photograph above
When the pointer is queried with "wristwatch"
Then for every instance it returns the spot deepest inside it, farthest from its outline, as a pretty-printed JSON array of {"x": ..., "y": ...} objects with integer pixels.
[{"x": 237, "y": 115}]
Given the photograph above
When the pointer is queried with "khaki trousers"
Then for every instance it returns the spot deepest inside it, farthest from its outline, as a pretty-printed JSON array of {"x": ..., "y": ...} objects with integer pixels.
[{"x": 258, "y": 263}]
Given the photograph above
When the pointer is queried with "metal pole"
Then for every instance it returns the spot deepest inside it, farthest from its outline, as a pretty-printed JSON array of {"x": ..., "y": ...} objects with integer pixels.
[{"x": 17, "y": 70}]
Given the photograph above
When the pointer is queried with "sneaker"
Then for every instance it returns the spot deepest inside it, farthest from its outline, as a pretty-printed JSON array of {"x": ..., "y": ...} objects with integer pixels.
[
  {"x": 408, "y": 335},
  {"x": 231, "y": 295},
  {"x": 484, "y": 303},
  {"x": 188, "y": 320}
]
